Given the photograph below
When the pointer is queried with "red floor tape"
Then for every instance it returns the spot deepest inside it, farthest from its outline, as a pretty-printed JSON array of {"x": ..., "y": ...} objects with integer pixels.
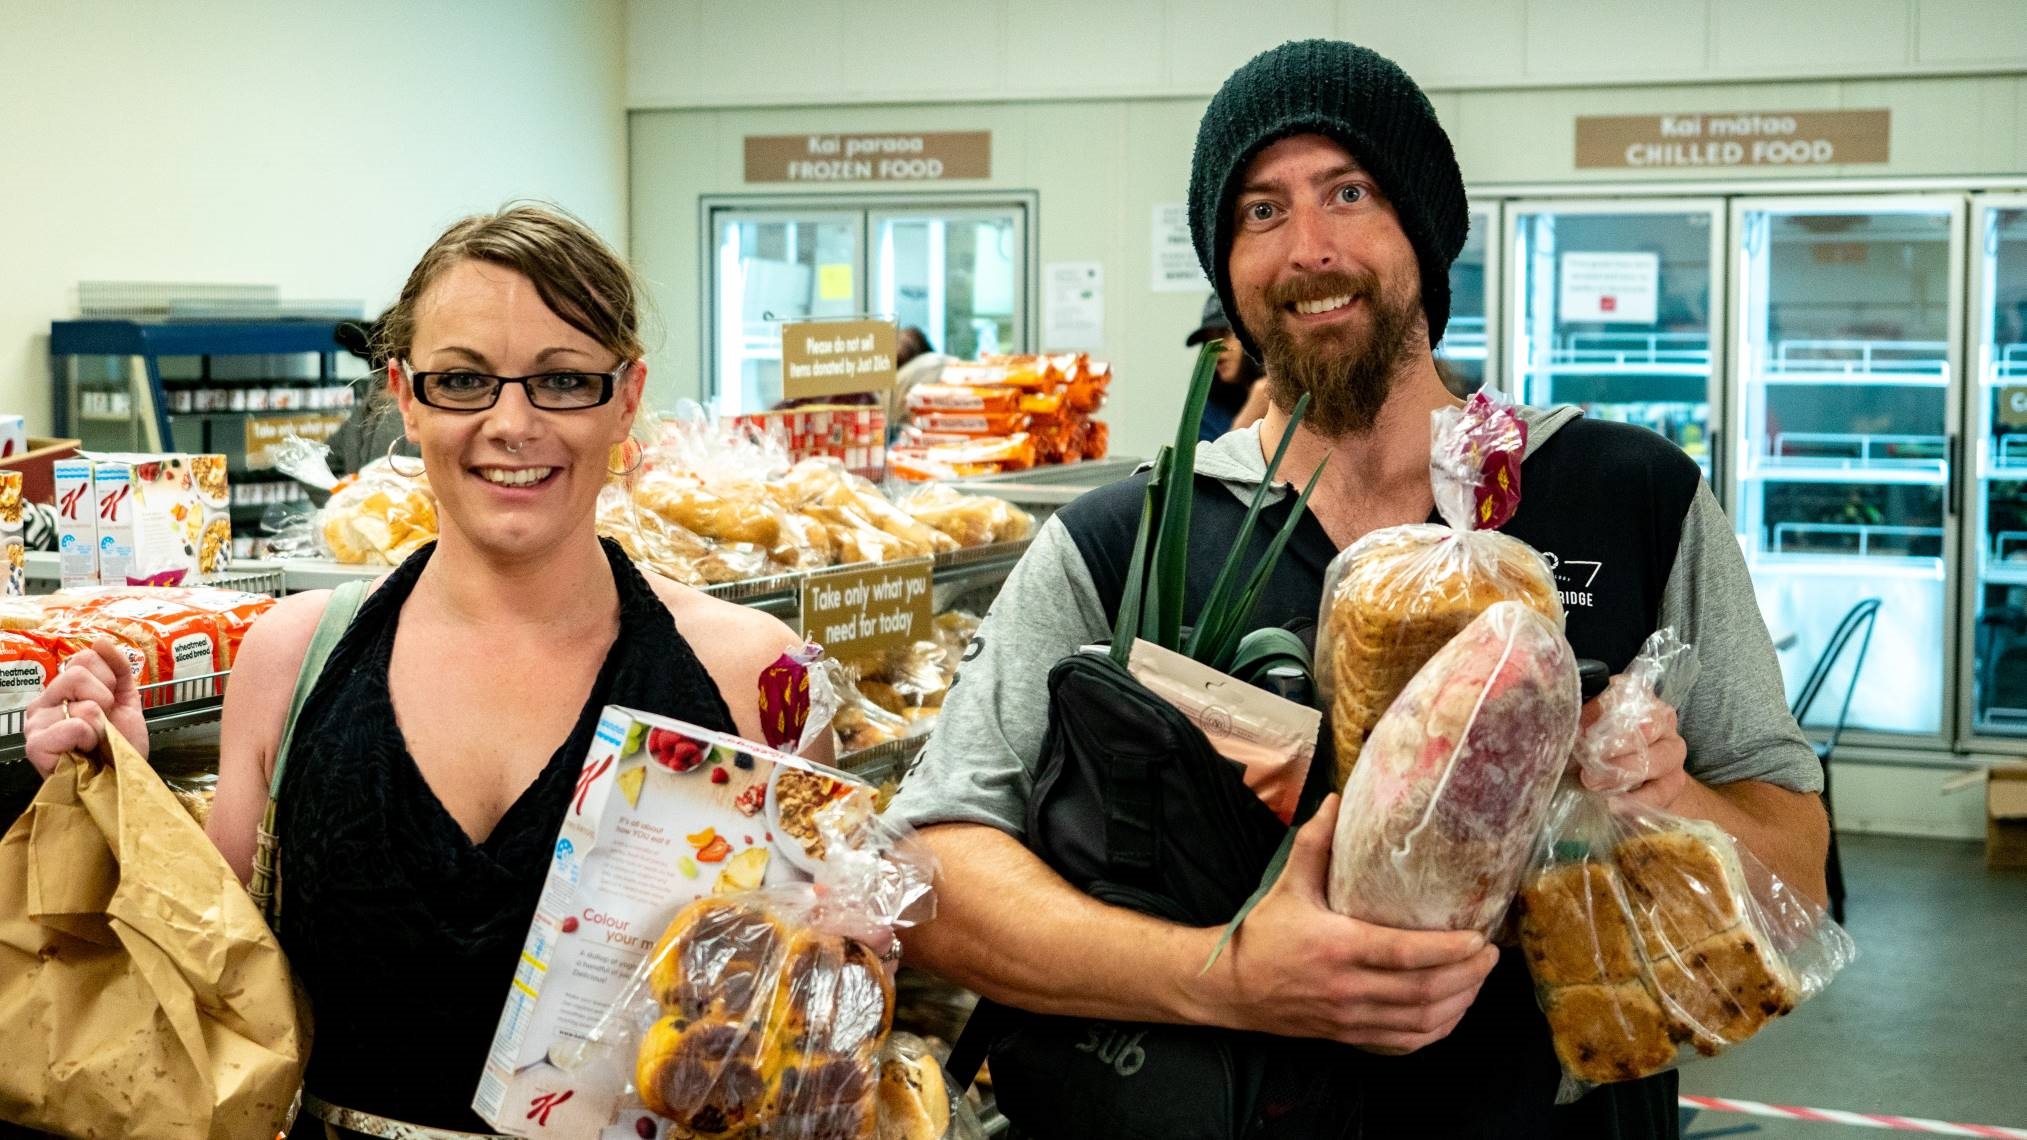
[{"x": 1857, "y": 1119}]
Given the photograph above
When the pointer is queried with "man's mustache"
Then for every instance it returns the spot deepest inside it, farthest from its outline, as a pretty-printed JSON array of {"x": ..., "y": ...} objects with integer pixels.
[{"x": 1323, "y": 286}]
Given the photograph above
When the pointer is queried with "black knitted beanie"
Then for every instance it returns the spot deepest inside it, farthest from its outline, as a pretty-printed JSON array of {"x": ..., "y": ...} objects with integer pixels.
[{"x": 1367, "y": 104}]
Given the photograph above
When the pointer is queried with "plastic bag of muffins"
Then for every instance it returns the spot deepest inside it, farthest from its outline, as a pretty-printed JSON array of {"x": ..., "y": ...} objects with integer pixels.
[
  {"x": 768, "y": 1013},
  {"x": 1651, "y": 938}
]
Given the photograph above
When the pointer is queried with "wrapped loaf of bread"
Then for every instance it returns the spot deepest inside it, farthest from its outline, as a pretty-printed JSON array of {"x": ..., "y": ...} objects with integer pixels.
[
  {"x": 1396, "y": 596},
  {"x": 1440, "y": 817},
  {"x": 1653, "y": 938}
]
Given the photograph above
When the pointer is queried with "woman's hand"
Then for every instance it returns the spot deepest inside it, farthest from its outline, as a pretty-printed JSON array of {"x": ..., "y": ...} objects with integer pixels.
[{"x": 92, "y": 688}]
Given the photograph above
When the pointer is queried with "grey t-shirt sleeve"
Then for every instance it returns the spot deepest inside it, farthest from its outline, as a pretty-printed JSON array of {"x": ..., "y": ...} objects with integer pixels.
[
  {"x": 1736, "y": 720},
  {"x": 979, "y": 763}
]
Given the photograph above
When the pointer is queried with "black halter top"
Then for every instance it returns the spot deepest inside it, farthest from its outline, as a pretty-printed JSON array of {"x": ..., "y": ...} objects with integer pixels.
[{"x": 403, "y": 931}]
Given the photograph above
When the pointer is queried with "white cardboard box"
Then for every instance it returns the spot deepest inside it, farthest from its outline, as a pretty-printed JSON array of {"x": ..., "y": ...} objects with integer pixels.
[
  {"x": 77, "y": 526},
  {"x": 635, "y": 848}
]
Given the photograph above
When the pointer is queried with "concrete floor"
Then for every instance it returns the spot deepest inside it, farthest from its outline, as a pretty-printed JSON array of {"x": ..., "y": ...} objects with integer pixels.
[{"x": 1931, "y": 1021}]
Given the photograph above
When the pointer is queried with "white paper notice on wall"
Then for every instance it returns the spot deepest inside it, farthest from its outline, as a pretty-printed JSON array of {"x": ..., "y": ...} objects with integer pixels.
[
  {"x": 1073, "y": 305},
  {"x": 1613, "y": 288},
  {"x": 1171, "y": 254}
]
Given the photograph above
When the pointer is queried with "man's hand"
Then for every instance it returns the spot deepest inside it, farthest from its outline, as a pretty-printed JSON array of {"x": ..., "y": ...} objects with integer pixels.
[
  {"x": 1649, "y": 756},
  {"x": 1296, "y": 968}
]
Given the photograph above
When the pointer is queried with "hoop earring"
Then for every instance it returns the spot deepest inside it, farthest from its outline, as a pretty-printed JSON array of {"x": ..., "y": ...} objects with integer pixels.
[
  {"x": 631, "y": 453},
  {"x": 395, "y": 467}
]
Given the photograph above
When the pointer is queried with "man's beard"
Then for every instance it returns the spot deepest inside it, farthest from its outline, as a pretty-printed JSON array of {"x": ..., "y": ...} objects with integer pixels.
[{"x": 1347, "y": 372}]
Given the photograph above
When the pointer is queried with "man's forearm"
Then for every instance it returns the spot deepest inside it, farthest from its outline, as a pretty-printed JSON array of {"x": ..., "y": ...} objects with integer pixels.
[
  {"x": 1787, "y": 831},
  {"x": 1009, "y": 927}
]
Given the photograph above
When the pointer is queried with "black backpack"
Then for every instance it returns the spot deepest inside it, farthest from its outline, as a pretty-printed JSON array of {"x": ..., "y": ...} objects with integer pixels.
[{"x": 1133, "y": 807}]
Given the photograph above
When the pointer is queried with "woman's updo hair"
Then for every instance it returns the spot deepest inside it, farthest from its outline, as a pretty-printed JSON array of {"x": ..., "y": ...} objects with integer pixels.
[{"x": 575, "y": 273}]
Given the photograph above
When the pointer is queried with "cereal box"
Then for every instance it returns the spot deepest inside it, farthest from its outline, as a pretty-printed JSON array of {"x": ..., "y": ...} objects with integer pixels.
[
  {"x": 11, "y": 545},
  {"x": 214, "y": 500},
  {"x": 664, "y": 813},
  {"x": 150, "y": 518},
  {"x": 77, "y": 528}
]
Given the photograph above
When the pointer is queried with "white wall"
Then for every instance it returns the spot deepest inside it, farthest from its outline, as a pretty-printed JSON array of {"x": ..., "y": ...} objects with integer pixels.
[
  {"x": 315, "y": 146},
  {"x": 748, "y": 53}
]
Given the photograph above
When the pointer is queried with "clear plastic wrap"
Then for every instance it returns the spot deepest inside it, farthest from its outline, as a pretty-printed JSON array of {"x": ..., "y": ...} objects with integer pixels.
[
  {"x": 767, "y": 1012},
  {"x": 1441, "y": 813},
  {"x": 1611, "y": 751},
  {"x": 378, "y": 517},
  {"x": 971, "y": 520},
  {"x": 1654, "y": 939},
  {"x": 1396, "y": 596},
  {"x": 917, "y": 1100}
]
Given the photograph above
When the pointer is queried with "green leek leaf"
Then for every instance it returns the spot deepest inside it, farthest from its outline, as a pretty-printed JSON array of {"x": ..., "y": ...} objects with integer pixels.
[
  {"x": 1171, "y": 558},
  {"x": 1267, "y": 880},
  {"x": 1214, "y": 602}
]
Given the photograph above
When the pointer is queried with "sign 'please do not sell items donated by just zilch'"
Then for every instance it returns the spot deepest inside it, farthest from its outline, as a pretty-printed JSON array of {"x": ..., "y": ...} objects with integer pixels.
[{"x": 831, "y": 358}]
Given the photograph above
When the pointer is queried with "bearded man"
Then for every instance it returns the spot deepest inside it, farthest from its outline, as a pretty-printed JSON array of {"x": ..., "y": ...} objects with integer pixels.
[{"x": 1326, "y": 206}]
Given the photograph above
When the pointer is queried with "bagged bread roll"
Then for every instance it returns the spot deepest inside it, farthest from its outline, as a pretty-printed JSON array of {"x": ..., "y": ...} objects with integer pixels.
[
  {"x": 1396, "y": 596},
  {"x": 1441, "y": 813},
  {"x": 1654, "y": 939}
]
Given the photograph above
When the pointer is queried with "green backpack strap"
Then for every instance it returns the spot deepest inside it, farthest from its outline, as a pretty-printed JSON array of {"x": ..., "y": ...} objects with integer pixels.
[{"x": 338, "y": 613}]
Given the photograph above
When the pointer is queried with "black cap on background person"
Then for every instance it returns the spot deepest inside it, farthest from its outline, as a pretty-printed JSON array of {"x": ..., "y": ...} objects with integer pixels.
[{"x": 1236, "y": 372}]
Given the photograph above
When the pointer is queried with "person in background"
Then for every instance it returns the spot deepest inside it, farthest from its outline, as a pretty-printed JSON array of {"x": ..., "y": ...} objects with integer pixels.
[
  {"x": 1239, "y": 398},
  {"x": 373, "y": 423},
  {"x": 437, "y": 753}
]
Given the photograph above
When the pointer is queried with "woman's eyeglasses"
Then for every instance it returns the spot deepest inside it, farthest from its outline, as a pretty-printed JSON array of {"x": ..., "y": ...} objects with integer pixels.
[{"x": 549, "y": 391}]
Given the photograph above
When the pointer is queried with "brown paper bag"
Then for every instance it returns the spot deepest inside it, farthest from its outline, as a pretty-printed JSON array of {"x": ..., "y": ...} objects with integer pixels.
[{"x": 141, "y": 993}]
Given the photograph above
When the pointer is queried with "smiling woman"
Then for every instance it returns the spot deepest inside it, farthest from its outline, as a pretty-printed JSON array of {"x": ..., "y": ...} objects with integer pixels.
[{"x": 433, "y": 760}]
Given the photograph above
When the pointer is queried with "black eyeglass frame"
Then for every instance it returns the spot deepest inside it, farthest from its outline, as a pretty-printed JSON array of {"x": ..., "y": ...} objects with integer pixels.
[{"x": 418, "y": 386}]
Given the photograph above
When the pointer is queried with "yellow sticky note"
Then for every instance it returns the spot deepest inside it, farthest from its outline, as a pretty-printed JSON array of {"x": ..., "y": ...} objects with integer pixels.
[{"x": 834, "y": 282}]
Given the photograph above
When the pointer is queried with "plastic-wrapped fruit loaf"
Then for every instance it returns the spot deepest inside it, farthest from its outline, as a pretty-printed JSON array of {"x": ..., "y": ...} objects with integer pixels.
[
  {"x": 766, "y": 1028},
  {"x": 1441, "y": 815},
  {"x": 1396, "y": 596}
]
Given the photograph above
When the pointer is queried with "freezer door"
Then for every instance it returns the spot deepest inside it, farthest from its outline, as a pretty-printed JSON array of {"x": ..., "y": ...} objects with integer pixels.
[
  {"x": 1613, "y": 306},
  {"x": 1847, "y": 372},
  {"x": 1994, "y": 657}
]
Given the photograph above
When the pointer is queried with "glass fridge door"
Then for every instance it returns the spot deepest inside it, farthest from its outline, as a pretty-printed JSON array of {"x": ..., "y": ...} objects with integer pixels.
[
  {"x": 959, "y": 275},
  {"x": 1464, "y": 356},
  {"x": 1997, "y": 542},
  {"x": 1847, "y": 318},
  {"x": 1611, "y": 308},
  {"x": 770, "y": 267}
]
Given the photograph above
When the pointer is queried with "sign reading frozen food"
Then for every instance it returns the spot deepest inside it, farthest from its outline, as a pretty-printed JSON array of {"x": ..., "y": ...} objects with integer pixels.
[
  {"x": 826, "y": 358},
  {"x": 857, "y": 610},
  {"x": 1777, "y": 138},
  {"x": 1615, "y": 288},
  {"x": 265, "y": 433},
  {"x": 1073, "y": 308},
  {"x": 933, "y": 156},
  {"x": 1173, "y": 255}
]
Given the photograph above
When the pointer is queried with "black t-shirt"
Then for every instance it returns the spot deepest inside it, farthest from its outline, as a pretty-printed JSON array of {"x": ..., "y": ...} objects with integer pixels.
[{"x": 1605, "y": 504}]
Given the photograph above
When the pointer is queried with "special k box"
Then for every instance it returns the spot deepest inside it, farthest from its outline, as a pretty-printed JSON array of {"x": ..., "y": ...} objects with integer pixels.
[
  {"x": 77, "y": 526},
  {"x": 665, "y": 813},
  {"x": 150, "y": 518}
]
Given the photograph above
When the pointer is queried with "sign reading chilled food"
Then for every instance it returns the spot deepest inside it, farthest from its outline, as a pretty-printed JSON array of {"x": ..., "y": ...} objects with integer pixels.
[
  {"x": 829, "y": 358},
  {"x": 1781, "y": 138},
  {"x": 857, "y": 610},
  {"x": 932, "y": 156}
]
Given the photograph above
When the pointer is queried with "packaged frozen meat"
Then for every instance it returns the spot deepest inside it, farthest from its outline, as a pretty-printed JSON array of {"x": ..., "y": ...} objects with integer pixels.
[
  {"x": 665, "y": 814},
  {"x": 971, "y": 423},
  {"x": 943, "y": 397},
  {"x": 1442, "y": 810},
  {"x": 1653, "y": 939},
  {"x": 1396, "y": 596}
]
